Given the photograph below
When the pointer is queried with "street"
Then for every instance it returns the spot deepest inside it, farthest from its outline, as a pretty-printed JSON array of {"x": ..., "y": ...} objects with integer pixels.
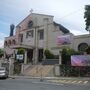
[{"x": 35, "y": 84}]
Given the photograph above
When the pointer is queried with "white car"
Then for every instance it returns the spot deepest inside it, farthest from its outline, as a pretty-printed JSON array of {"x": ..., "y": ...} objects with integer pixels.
[{"x": 3, "y": 72}]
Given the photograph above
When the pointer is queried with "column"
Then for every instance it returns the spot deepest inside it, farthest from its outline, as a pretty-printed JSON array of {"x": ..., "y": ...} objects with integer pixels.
[
  {"x": 35, "y": 56},
  {"x": 11, "y": 66},
  {"x": 25, "y": 59},
  {"x": 60, "y": 59}
]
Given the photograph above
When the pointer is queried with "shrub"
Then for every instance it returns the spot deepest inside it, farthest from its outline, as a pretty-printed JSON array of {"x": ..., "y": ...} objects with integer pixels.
[
  {"x": 20, "y": 51},
  {"x": 48, "y": 54},
  {"x": 66, "y": 55}
]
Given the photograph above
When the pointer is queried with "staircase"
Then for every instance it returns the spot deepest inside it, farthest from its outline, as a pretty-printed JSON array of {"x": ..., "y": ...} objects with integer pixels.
[{"x": 39, "y": 70}]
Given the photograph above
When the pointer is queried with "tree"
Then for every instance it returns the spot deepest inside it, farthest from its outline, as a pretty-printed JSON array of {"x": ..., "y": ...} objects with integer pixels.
[
  {"x": 87, "y": 17},
  {"x": 66, "y": 55}
]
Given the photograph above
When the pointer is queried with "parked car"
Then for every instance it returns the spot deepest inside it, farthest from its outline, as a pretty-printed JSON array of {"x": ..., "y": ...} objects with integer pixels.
[{"x": 3, "y": 72}]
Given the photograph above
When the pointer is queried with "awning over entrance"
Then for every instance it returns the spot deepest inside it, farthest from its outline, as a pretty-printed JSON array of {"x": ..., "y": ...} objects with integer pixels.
[{"x": 22, "y": 46}]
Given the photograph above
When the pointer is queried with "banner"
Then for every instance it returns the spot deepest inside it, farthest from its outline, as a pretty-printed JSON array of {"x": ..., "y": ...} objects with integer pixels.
[
  {"x": 65, "y": 39},
  {"x": 80, "y": 60},
  {"x": 19, "y": 56}
]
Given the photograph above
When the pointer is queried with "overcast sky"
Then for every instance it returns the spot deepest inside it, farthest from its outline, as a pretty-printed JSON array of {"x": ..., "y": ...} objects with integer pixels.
[{"x": 69, "y": 13}]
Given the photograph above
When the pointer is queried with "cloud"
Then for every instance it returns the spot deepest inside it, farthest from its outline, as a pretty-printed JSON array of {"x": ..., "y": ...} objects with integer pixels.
[
  {"x": 2, "y": 36},
  {"x": 13, "y": 11},
  {"x": 78, "y": 32},
  {"x": 1, "y": 43}
]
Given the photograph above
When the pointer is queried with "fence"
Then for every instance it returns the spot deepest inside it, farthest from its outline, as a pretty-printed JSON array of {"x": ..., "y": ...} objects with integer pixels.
[
  {"x": 82, "y": 71},
  {"x": 50, "y": 61}
]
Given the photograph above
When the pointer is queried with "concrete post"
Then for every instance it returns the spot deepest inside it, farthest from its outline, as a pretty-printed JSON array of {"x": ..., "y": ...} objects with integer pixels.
[
  {"x": 11, "y": 66},
  {"x": 22, "y": 69},
  {"x": 57, "y": 70},
  {"x": 60, "y": 59},
  {"x": 25, "y": 59},
  {"x": 60, "y": 63},
  {"x": 35, "y": 56}
]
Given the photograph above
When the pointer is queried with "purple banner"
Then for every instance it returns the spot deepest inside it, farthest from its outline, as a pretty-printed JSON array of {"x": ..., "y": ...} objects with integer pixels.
[
  {"x": 80, "y": 60},
  {"x": 66, "y": 39}
]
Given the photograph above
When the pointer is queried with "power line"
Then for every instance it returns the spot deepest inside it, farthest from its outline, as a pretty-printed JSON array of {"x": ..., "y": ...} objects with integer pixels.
[{"x": 74, "y": 12}]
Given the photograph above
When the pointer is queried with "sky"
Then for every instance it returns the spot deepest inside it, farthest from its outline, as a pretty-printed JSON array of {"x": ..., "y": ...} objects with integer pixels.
[{"x": 69, "y": 13}]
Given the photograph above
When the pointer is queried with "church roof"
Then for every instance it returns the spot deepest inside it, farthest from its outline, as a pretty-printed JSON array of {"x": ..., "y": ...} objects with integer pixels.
[{"x": 62, "y": 28}]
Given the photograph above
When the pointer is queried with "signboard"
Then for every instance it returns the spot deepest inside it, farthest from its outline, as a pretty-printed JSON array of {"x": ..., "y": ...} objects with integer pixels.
[
  {"x": 80, "y": 60},
  {"x": 65, "y": 39},
  {"x": 19, "y": 56}
]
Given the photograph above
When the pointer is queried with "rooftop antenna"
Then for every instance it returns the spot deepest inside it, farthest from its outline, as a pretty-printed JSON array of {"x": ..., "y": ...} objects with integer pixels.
[{"x": 31, "y": 10}]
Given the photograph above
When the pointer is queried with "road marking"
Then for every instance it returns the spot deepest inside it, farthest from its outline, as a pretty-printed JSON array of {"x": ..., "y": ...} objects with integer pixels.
[
  {"x": 68, "y": 81},
  {"x": 63, "y": 81},
  {"x": 47, "y": 83},
  {"x": 79, "y": 82},
  {"x": 85, "y": 82},
  {"x": 74, "y": 81}
]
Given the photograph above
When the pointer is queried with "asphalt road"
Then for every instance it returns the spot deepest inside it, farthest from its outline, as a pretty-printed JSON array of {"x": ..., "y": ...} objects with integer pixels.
[{"x": 35, "y": 84}]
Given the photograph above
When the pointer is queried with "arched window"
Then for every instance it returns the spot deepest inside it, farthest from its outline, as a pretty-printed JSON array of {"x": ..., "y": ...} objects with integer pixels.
[
  {"x": 5, "y": 44},
  {"x": 13, "y": 42},
  {"x": 82, "y": 47},
  {"x": 9, "y": 42}
]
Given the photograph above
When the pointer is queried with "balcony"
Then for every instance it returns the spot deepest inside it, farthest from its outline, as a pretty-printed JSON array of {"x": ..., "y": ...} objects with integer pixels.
[{"x": 10, "y": 41}]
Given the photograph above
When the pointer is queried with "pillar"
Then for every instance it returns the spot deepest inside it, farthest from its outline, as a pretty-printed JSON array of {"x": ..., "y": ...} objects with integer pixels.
[
  {"x": 25, "y": 57},
  {"x": 11, "y": 66},
  {"x": 60, "y": 59},
  {"x": 35, "y": 56}
]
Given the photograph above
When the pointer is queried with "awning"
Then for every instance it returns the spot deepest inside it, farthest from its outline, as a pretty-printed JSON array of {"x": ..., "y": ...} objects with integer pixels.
[{"x": 22, "y": 46}]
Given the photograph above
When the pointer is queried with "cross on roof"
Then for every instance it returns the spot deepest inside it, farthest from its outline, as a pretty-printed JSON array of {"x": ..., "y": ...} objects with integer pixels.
[{"x": 31, "y": 10}]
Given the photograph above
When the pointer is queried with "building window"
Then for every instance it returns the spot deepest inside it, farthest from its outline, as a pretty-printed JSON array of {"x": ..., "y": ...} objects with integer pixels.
[
  {"x": 41, "y": 34},
  {"x": 5, "y": 44},
  {"x": 82, "y": 47},
  {"x": 30, "y": 24},
  {"x": 13, "y": 42},
  {"x": 29, "y": 34},
  {"x": 9, "y": 42},
  {"x": 21, "y": 38}
]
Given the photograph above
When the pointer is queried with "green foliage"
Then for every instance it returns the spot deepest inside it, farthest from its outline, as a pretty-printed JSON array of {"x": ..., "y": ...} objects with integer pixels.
[
  {"x": 20, "y": 51},
  {"x": 17, "y": 67},
  {"x": 88, "y": 50},
  {"x": 66, "y": 55},
  {"x": 48, "y": 54},
  {"x": 87, "y": 16},
  {"x": 1, "y": 52}
]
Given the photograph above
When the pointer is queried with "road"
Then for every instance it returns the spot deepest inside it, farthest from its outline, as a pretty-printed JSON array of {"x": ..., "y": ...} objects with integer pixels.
[{"x": 35, "y": 84}]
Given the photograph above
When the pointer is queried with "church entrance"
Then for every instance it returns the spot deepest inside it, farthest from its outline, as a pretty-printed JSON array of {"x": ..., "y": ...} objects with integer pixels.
[
  {"x": 29, "y": 55},
  {"x": 40, "y": 55}
]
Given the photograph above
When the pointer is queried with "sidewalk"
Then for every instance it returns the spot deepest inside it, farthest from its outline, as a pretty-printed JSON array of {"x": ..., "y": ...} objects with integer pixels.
[{"x": 50, "y": 78}]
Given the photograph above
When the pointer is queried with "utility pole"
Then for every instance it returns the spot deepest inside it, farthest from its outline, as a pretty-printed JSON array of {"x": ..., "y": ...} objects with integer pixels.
[{"x": 89, "y": 29}]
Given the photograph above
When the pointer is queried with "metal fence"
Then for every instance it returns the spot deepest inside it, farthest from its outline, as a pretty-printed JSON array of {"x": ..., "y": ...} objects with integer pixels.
[{"x": 76, "y": 71}]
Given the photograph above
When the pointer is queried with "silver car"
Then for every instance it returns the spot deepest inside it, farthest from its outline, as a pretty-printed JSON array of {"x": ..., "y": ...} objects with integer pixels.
[{"x": 3, "y": 72}]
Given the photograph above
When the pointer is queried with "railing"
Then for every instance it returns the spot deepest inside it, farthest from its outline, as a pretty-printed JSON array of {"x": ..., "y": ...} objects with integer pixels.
[{"x": 82, "y": 71}]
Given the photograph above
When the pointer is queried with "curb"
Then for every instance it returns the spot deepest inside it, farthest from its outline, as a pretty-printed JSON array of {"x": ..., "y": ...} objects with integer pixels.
[{"x": 49, "y": 78}]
